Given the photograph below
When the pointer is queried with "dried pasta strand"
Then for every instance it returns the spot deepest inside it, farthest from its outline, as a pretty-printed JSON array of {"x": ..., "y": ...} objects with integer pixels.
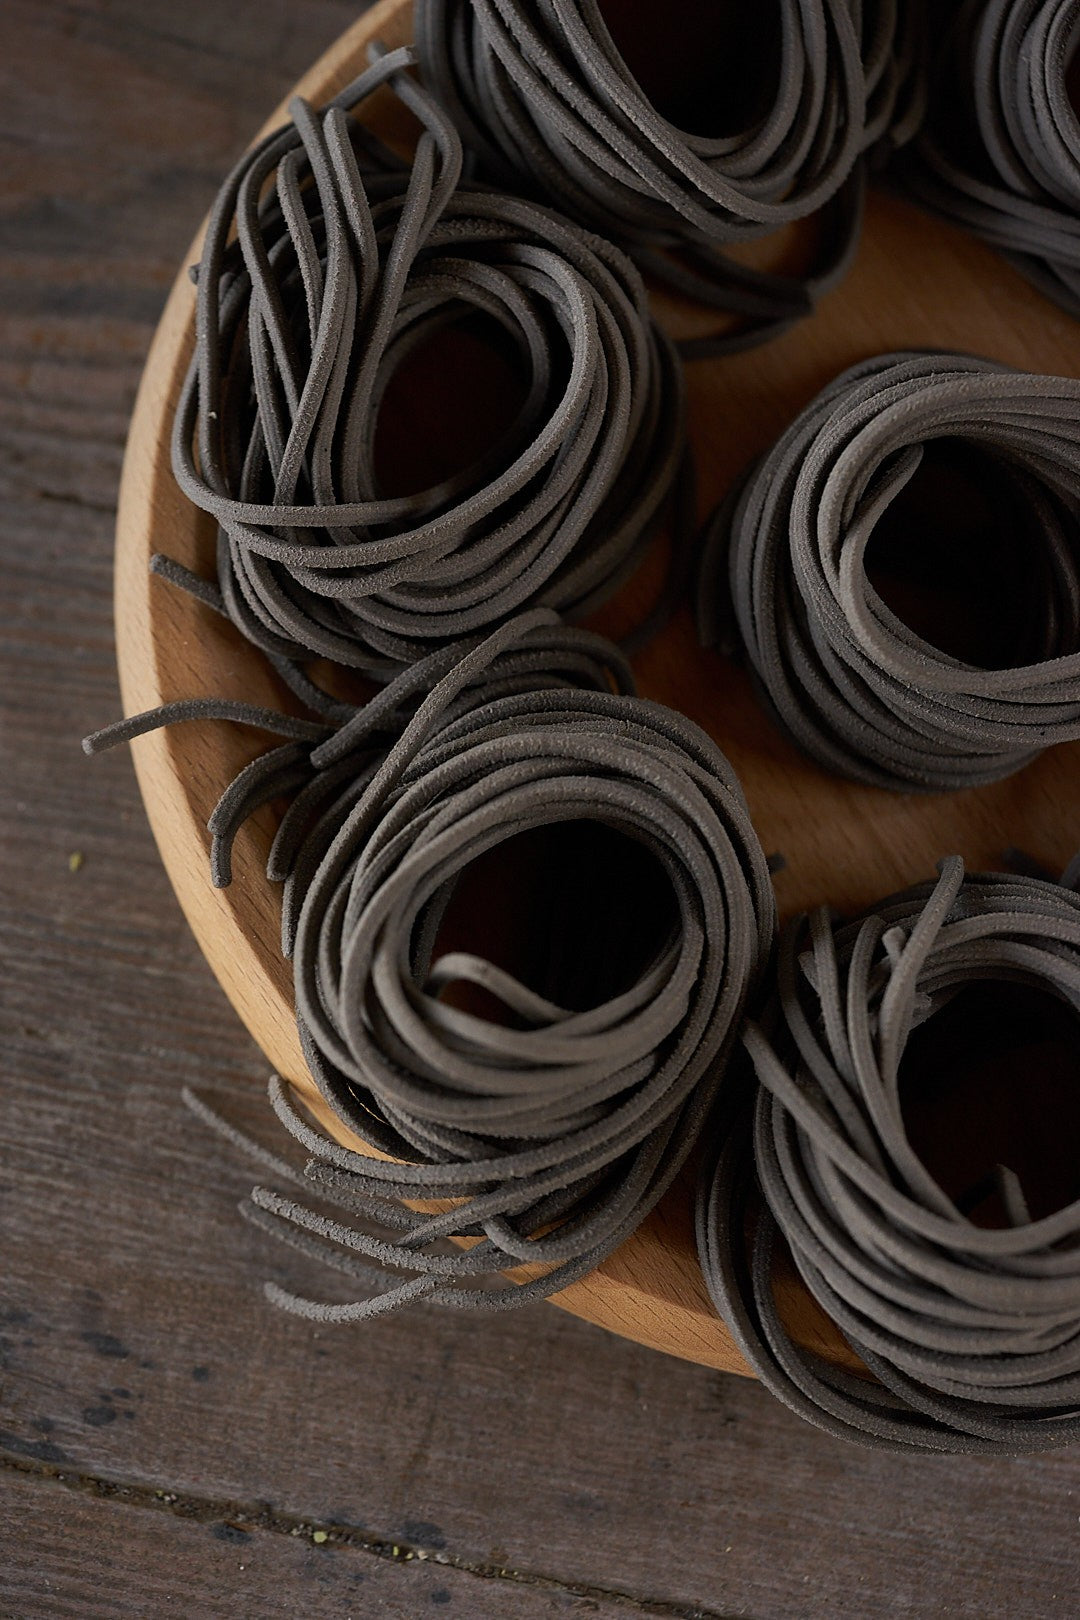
[
  {"x": 847, "y": 680},
  {"x": 972, "y": 1334},
  {"x": 327, "y": 261},
  {"x": 546, "y": 103}
]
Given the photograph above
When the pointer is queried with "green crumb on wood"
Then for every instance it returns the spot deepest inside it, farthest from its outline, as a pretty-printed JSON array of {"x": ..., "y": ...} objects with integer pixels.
[
  {"x": 75, "y": 860},
  {"x": 319, "y": 1536}
]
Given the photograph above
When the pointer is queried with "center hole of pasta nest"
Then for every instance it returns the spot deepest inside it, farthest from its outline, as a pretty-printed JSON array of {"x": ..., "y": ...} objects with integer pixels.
[
  {"x": 449, "y": 404},
  {"x": 993, "y": 1080},
  {"x": 957, "y": 558},
  {"x": 577, "y": 911},
  {"x": 1072, "y": 73},
  {"x": 710, "y": 67}
]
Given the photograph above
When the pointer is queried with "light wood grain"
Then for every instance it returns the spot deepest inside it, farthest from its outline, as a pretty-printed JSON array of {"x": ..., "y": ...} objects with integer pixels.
[{"x": 916, "y": 284}]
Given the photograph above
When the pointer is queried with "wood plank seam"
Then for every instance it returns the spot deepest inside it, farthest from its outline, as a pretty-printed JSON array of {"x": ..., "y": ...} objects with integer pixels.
[{"x": 245, "y": 1520}]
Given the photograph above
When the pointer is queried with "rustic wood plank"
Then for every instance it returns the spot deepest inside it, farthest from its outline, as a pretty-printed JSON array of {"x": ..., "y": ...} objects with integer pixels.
[
  {"x": 145, "y": 1355},
  {"x": 534, "y": 1441},
  {"x": 79, "y": 1552}
]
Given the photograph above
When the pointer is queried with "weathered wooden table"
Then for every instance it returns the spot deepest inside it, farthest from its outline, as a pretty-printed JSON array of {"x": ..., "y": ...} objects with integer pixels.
[{"x": 169, "y": 1446}]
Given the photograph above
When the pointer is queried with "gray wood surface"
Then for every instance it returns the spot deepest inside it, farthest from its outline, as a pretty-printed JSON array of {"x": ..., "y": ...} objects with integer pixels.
[
  {"x": 171, "y": 1561},
  {"x": 159, "y": 1424}
]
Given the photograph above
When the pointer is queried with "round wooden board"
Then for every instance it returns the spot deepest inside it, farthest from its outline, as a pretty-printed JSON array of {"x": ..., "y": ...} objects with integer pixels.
[{"x": 917, "y": 283}]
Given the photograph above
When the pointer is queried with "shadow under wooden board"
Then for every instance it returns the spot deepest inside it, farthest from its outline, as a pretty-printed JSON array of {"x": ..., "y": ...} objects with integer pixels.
[{"x": 916, "y": 284}]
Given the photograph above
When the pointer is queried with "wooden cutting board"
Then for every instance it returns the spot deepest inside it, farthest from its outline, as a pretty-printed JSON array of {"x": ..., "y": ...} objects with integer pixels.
[{"x": 917, "y": 283}]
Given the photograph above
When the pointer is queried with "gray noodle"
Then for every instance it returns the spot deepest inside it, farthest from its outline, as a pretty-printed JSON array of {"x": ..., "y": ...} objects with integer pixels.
[
  {"x": 546, "y": 103},
  {"x": 551, "y": 1133},
  {"x": 972, "y": 1334},
  {"x": 999, "y": 151},
  {"x": 850, "y": 683},
  {"x": 328, "y": 259}
]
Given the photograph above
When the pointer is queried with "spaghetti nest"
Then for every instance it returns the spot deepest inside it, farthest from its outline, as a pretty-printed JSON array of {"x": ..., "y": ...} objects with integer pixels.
[
  {"x": 847, "y": 679},
  {"x": 971, "y": 1333},
  {"x": 328, "y": 261},
  {"x": 546, "y": 102},
  {"x": 1000, "y": 150},
  {"x": 553, "y": 1127}
]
